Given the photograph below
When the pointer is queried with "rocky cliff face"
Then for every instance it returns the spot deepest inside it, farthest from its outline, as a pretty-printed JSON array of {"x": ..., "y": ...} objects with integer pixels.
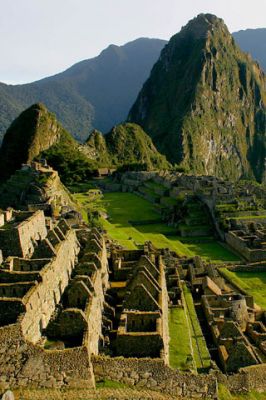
[
  {"x": 204, "y": 103},
  {"x": 125, "y": 144}
]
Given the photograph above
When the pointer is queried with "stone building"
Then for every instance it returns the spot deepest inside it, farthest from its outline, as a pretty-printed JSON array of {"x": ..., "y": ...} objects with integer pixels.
[
  {"x": 230, "y": 318},
  {"x": 52, "y": 288},
  {"x": 250, "y": 241},
  {"x": 138, "y": 284},
  {"x": 143, "y": 327}
]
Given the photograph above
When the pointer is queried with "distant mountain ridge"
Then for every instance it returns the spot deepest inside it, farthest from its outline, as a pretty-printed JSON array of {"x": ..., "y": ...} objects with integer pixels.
[
  {"x": 92, "y": 93},
  {"x": 253, "y": 41},
  {"x": 98, "y": 92},
  {"x": 204, "y": 103}
]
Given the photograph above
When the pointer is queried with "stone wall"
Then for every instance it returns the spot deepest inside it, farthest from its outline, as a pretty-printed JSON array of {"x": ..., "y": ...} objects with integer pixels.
[
  {"x": 255, "y": 377},
  {"x": 42, "y": 299},
  {"x": 238, "y": 244},
  {"x": 94, "y": 314},
  {"x": 155, "y": 375},
  {"x": 246, "y": 380},
  {"x": 20, "y": 240},
  {"x": 23, "y": 364}
]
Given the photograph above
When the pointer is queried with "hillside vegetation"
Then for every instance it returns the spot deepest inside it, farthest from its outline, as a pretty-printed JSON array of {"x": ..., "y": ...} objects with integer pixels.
[
  {"x": 204, "y": 103},
  {"x": 37, "y": 134},
  {"x": 126, "y": 144},
  {"x": 94, "y": 93}
]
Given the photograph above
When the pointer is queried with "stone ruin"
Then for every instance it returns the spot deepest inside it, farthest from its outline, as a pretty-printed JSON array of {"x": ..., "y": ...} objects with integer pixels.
[
  {"x": 249, "y": 241},
  {"x": 163, "y": 188},
  {"x": 60, "y": 301},
  {"x": 52, "y": 285},
  {"x": 228, "y": 317},
  {"x": 139, "y": 285},
  {"x": 72, "y": 310},
  {"x": 233, "y": 326}
]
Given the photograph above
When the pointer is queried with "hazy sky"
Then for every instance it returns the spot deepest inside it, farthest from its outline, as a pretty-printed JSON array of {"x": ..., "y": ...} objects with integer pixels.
[{"x": 42, "y": 37}]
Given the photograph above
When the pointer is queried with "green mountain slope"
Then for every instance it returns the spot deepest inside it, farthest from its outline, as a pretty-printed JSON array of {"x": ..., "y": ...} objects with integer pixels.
[
  {"x": 125, "y": 144},
  {"x": 36, "y": 133},
  {"x": 204, "y": 103},
  {"x": 95, "y": 93}
]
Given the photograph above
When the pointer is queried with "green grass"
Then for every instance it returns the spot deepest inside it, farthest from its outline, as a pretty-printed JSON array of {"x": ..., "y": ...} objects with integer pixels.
[
  {"x": 154, "y": 185},
  {"x": 88, "y": 203},
  {"x": 107, "y": 383},
  {"x": 253, "y": 283},
  {"x": 224, "y": 394},
  {"x": 179, "y": 346},
  {"x": 200, "y": 349},
  {"x": 212, "y": 250},
  {"x": 81, "y": 187},
  {"x": 124, "y": 207}
]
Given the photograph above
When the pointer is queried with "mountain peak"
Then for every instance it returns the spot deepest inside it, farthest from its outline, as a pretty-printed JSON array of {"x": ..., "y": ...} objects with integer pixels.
[
  {"x": 204, "y": 103},
  {"x": 32, "y": 132},
  {"x": 202, "y": 24}
]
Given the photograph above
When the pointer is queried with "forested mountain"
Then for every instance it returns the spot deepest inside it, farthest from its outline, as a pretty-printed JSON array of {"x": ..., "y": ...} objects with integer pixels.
[{"x": 93, "y": 93}]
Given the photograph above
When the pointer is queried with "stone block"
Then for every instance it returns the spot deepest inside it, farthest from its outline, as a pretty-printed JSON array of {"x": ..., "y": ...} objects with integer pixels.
[{"x": 8, "y": 395}]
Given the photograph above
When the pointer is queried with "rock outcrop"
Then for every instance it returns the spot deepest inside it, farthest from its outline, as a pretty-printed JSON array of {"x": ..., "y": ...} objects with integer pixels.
[{"x": 204, "y": 103}]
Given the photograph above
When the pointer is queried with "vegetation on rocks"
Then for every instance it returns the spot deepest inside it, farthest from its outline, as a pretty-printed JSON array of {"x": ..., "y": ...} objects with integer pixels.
[
  {"x": 125, "y": 145},
  {"x": 36, "y": 134},
  {"x": 204, "y": 103},
  {"x": 31, "y": 135}
]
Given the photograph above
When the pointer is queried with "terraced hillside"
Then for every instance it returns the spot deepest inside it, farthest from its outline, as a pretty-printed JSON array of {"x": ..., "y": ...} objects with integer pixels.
[{"x": 133, "y": 220}]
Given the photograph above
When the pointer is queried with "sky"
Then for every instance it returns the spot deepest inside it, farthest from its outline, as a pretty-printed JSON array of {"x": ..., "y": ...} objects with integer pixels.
[{"x": 39, "y": 38}]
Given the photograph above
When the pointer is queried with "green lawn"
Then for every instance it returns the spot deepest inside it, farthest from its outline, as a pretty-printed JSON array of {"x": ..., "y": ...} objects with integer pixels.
[
  {"x": 212, "y": 250},
  {"x": 125, "y": 207},
  {"x": 200, "y": 349},
  {"x": 179, "y": 346},
  {"x": 107, "y": 383},
  {"x": 224, "y": 394},
  {"x": 253, "y": 283}
]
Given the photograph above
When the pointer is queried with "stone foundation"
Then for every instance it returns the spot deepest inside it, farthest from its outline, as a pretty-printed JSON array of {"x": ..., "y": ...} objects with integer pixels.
[{"x": 154, "y": 374}]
